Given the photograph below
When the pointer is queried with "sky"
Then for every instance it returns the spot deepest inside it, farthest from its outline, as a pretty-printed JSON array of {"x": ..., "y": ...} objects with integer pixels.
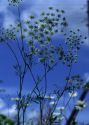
[{"x": 76, "y": 16}]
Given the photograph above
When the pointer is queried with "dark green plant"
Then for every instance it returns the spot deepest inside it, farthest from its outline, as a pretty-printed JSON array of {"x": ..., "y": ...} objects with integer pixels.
[{"x": 4, "y": 120}]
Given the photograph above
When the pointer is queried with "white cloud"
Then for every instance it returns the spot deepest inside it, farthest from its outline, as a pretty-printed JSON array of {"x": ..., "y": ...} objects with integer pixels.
[
  {"x": 25, "y": 14},
  {"x": 8, "y": 16},
  {"x": 75, "y": 12},
  {"x": 32, "y": 114},
  {"x": 9, "y": 111},
  {"x": 8, "y": 19},
  {"x": 86, "y": 76},
  {"x": 3, "y": 5},
  {"x": 2, "y": 103}
]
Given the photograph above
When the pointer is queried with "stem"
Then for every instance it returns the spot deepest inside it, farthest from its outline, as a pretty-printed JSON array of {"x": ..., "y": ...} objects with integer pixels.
[
  {"x": 41, "y": 113},
  {"x": 23, "y": 122},
  {"x": 18, "y": 114},
  {"x": 75, "y": 111},
  {"x": 60, "y": 96},
  {"x": 45, "y": 75}
]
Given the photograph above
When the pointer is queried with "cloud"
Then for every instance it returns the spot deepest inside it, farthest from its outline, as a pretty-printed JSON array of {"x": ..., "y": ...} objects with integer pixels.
[
  {"x": 9, "y": 111},
  {"x": 37, "y": 5},
  {"x": 2, "y": 103},
  {"x": 3, "y": 5},
  {"x": 8, "y": 17},
  {"x": 4, "y": 109},
  {"x": 32, "y": 114},
  {"x": 86, "y": 76},
  {"x": 74, "y": 11}
]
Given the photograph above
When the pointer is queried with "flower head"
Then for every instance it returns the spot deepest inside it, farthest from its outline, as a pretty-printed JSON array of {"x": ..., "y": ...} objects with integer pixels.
[
  {"x": 52, "y": 103},
  {"x": 50, "y": 97},
  {"x": 80, "y": 105},
  {"x": 16, "y": 99},
  {"x": 73, "y": 94},
  {"x": 58, "y": 115},
  {"x": 60, "y": 108}
]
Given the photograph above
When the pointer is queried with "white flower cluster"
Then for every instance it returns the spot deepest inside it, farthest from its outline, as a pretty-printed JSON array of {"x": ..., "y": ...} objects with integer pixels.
[
  {"x": 16, "y": 99},
  {"x": 58, "y": 115},
  {"x": 80, "y": 105},
  {"x": 50, "y": 97},
  {"x": 73, "y": 94},
  {"x": 60, "y": 108},
  {"x": 52, "y": 103}
]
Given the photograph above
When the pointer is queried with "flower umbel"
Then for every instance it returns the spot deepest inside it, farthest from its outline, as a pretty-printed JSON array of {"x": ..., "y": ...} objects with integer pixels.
[
  {"x": 80, "y": 105},
  {"x": 73, "y": 94},
  {"x": 60, "y": 108},
  {"x": 52, "y": 103}
]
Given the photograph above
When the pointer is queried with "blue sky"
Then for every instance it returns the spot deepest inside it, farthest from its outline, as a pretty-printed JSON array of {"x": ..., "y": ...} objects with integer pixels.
[{"x": 76, "y": 16}]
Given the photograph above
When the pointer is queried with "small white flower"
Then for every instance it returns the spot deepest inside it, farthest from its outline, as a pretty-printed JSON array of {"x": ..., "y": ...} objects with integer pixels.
[
  {"x": 73, "y": 94},
  {"x": 16, "y": 99},
  {"x": 50, "y": 97},
  {"x": 80, "y": 105},
  {"x": 60, "y": 117},
  {"x": 60, "y": 108},
  {"x": 28, "y": 104},
  {"x": 56, "y": 113},
  {"x": 47, "y": 97},
  {"x": 52, "y": 103}
]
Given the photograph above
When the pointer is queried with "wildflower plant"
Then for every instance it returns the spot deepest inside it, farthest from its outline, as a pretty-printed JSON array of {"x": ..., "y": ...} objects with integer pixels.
[{"x": 36, "y": 47}]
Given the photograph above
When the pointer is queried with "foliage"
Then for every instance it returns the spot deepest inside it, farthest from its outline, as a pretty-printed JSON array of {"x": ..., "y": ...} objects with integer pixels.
[{"x": 5, "y": 120}]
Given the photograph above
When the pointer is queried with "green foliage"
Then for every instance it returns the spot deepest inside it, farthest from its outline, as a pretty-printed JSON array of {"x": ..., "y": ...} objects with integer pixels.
[
  {"x": 4, "y": 120},
  {"x": 14, "y": 2}
]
